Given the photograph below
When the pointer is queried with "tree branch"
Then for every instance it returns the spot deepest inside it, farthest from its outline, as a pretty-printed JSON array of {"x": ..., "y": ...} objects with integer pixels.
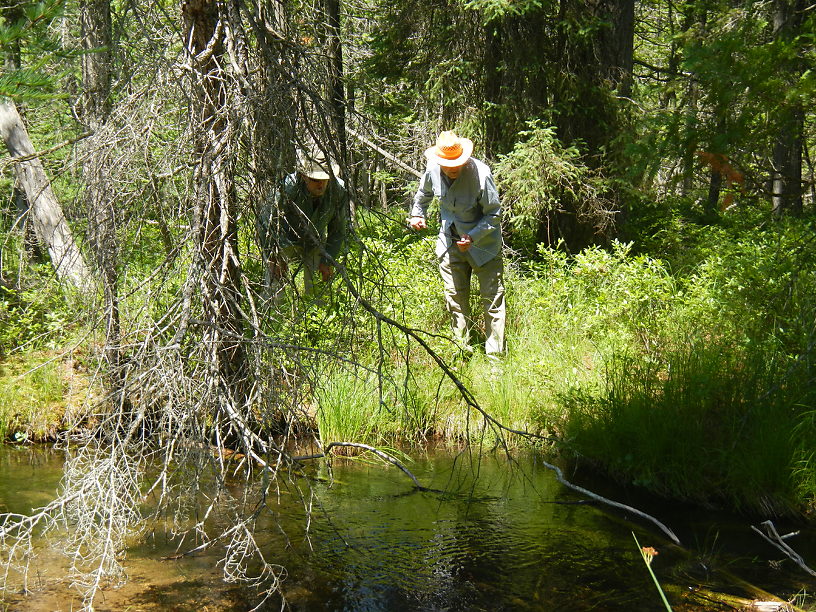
[
  {"x": 379, "y": 453},
  {"x": 384, "y": 153},
  {"x": 774, "y": 539},
  {"x": 16, "y": 160}
]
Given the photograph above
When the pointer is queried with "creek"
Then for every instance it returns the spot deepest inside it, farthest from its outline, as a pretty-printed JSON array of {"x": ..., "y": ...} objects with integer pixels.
[{"x": 494, "y": 534}]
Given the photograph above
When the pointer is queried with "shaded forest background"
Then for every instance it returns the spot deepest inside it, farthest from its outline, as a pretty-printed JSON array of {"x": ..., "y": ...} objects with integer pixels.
[{"x": 654, "y": 162}]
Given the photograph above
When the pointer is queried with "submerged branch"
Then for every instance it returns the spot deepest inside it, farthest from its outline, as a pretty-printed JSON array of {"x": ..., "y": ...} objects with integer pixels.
[
  {"x": 771, "y": 535},
  {"x": 379, "y": 453},
  {"x": 560, "y": 477}
]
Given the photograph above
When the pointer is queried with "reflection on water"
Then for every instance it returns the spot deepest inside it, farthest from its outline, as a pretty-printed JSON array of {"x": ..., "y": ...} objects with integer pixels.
[
  {"x": 28, "y": 479},
  {"x": 512, "y": 538},
  {"x": 496, "y": 535}
]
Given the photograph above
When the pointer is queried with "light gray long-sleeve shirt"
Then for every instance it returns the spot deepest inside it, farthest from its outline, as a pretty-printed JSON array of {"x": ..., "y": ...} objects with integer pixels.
[{"x": 468, "y": 205}]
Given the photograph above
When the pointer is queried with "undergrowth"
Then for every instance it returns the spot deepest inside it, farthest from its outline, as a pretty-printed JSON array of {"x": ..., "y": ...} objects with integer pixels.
[
  {"x": 33, "y": 393},
  {"x": 688, "y": 376}
]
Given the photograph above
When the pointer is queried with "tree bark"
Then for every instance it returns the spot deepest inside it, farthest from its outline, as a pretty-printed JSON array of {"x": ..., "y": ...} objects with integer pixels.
[
  {"x": 617, "y": 42},
  {"x": 95, "y": 19},
  {"x": 599, "y": 63},
  {"x": 595, "y": 42},
  {"x": 275, "y": 110},
  {"x": 711, "y": 203},
  {"x": 338, "y": 93},
  {"x": 215, "y": 197},
  {"x": 786, "y": 175},
  {"x": 13, "y": 62},
  {"x": 494, "y": 128},
  {"x": 45, "y": 211},
  {"x": 787, "y": 163}
]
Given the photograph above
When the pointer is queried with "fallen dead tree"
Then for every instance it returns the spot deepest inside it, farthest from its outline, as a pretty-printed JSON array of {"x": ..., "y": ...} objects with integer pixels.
[{"x": 45, "y": 212}]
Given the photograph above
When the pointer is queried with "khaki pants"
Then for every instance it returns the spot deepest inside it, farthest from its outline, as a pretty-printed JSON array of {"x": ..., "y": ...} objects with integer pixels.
[{"x": 456, "y": 271}]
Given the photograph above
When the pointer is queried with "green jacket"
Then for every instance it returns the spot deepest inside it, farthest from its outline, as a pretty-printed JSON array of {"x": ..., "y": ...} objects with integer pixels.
[{"x": 292, "y": 216}]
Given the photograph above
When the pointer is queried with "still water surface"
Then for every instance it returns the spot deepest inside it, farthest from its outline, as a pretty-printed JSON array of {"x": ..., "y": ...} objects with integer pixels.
[{"x": 495, "y": 535}]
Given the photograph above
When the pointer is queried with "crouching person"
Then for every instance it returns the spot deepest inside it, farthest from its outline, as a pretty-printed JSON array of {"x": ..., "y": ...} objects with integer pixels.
[{"x": 307, "y": 215}]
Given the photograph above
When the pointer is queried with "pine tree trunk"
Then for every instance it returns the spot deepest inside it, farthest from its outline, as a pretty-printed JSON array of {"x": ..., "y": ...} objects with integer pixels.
[
  {"x": 338, "y": 94},
  {"x": 711, "y": 203},
  {"x": 787, "y": 163},
  {"x": 95, "y": 18},
  {"x": 215, "y": 197},
  {"x": 786, "y": 176},
  {"x": 494, "y": 127},
  {"x": 616, "y": 43}
]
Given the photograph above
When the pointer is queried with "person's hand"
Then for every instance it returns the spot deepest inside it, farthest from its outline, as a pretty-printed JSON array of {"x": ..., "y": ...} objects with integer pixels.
[
  {"x": 277, "y": 268},
  {"x": 417, "y": 223},
  {"x": 464, "y": 242},
  {"x": 326, "y": 271}
]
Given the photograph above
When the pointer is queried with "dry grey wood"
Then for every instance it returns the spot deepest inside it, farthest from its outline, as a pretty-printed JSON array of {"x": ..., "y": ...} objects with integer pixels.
[
  {"x": 771, "y": 536},
  {"x": 396, "y": 161},
  {"x": 46, "y": 213}
]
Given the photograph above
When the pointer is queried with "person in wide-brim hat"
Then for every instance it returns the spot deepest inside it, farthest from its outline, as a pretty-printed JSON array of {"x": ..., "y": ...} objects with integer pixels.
[
  {"x": 469, "y": 241},
  {"x": 304, "y": 221},
  {"x": 450, "y": 150}
]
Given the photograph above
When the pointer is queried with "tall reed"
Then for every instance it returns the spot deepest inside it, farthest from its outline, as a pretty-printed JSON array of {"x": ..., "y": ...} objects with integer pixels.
[
  {"x": 348, "y": 407},
  {"x": 712, "y": 423}
]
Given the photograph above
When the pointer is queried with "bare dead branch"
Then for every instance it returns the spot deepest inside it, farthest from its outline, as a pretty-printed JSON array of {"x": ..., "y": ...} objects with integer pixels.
[
  {"x": 23, "y": 158},
  {"x": 771, "y": 535}
]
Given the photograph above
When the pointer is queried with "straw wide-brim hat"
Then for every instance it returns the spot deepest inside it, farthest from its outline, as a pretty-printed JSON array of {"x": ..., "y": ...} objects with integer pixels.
[
  {"x": 450, "y": 150},
  {"x": 313, "y": 164}
]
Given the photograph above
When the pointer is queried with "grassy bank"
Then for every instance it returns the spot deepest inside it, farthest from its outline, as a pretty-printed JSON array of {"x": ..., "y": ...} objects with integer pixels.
[
  {"x": 41, "y": 394},
  {"x": 690, "y": 375},
  {"x": 43, "y": 382}
]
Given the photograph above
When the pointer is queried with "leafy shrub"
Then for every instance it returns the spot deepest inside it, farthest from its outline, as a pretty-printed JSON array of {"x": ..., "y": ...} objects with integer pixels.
[
  {"x": 541, "y": 176},
  {"x": 704, "y": 400}
]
